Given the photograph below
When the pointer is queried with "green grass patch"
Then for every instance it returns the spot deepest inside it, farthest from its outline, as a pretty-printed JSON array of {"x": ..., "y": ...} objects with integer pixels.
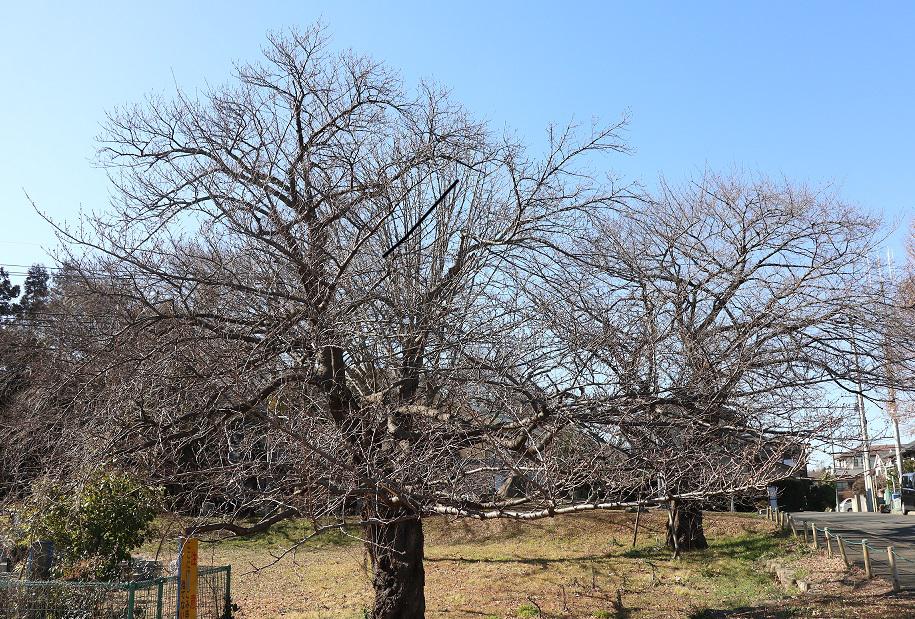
[{"x": 527, "y": 611}]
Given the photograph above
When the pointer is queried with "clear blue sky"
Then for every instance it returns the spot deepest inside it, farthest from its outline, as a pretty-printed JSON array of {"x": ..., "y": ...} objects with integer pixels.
[{"x": 816, "y": 91}]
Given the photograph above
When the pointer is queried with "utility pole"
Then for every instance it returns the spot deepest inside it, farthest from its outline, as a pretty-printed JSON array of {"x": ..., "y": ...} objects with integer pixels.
[
  {"x": 891, "y": 405},
  {"x": 893, "y": 411},
  {"x": 835, "y": 474},
  {"x": 862, "y": 417}
]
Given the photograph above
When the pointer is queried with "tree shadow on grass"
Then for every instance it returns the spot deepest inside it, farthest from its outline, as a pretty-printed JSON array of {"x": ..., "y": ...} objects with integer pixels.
[
  {"x": 539, "y": 561},
  {"x": 745, "y": 548}
]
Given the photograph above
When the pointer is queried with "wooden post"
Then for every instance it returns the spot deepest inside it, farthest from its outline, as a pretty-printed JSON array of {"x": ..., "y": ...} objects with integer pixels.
[
  {"x": 791, "y": 524},
  {"x": 806, "y": 536},
  {"x": 187, "y": 591},
  {"x": 635, "y": 530},
  {"x": 768, "y": 512},
  {"x": 891, "y": 555},
  {"x": 842, "y": 549},
  {"x": 813, "y": 531},
  {"x": 867, "y": 558},
  {"x": 828, "y": 542}
]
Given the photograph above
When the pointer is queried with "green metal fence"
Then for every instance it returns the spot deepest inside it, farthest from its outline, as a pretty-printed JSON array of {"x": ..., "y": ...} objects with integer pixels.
[{"x": 147, "y": 599}]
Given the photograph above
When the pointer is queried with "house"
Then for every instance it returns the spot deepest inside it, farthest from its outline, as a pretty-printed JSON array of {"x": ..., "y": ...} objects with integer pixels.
[
  {"x": 849, "y": 466},
  {"x": 792, "y": 463},
  {"x": 908, "y": 452}
]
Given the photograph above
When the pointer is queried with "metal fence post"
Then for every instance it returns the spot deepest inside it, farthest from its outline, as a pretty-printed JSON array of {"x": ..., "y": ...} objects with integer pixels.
[
  {"x": 227, "y": 614},
  {"x": 867, "y": 558},
  {"x": 160, "y": 598},
  {"x": 891, "y": 555},
  {"x": 131, "y": 594}
]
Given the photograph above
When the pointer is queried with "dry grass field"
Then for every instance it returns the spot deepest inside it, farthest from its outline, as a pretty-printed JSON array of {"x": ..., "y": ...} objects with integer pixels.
[
  {"x": 580, "y": 566},
  {"x": 575, "y": 566}
]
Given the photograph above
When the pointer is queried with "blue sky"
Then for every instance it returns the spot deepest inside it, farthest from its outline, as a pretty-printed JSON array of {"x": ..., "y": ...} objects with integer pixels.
[{"x": 821, "y": 92}]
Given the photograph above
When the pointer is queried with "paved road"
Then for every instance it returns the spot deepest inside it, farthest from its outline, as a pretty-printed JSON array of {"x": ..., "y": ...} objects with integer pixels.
[{"x": 880, "y": 531}]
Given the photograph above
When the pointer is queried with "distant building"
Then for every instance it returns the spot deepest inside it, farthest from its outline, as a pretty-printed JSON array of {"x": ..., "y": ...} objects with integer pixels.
[
  {"x": 793, "y": 463},
  {"x": 849, "y": 466}
]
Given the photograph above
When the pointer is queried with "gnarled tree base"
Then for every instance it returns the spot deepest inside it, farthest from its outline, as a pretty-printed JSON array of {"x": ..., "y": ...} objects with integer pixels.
[
  {"x": 396, "y": 550},
  {"x": 684, "y": 527}
]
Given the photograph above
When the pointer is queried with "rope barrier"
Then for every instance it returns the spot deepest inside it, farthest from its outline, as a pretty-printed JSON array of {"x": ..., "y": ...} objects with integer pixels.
[{"x": 885, "y": 556}]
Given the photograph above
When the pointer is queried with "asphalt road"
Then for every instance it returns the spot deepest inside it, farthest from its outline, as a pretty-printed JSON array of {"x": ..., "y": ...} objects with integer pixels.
[{"x": 880, "y": 531}]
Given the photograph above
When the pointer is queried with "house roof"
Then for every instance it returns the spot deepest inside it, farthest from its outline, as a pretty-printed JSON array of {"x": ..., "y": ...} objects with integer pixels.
[{"x": 881, "y": 450}]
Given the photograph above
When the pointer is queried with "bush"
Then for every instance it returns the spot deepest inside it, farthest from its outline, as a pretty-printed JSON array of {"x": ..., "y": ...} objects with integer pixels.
[{"x": 94, "y": 524}]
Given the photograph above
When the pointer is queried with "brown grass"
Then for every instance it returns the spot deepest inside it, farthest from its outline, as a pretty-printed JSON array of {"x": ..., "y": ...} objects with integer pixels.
[
  {"x": 570, "y": 567},
  {"x": 574, "y": 566}
]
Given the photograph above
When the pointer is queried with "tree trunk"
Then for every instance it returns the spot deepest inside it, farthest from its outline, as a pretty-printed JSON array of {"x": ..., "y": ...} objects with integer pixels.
[
  {"x": 396, "y": 550},
  {"x": 684, "y": 527}
]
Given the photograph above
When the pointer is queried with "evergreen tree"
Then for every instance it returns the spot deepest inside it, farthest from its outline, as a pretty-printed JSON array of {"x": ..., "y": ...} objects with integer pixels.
[
  {"x": 35, "y": 289},
  {"x": 8, "y": 294}
]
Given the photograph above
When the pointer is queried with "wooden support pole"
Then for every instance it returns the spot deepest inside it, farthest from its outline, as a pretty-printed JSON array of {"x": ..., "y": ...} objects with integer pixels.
[
  {"x": 867, "y": 559},
  {"x": 828, "y": 542},
  {"x": 806, "y": 536},
  {"x": 891, "y": 555},
  {"x": 813, "y": 532},
  {"x": 791, "y": 524},
  {"x": 842, "y": 549}
]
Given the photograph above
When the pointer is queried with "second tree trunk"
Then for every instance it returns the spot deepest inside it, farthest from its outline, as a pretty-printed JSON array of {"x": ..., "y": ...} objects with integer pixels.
[{"x": 684, "y": 527}]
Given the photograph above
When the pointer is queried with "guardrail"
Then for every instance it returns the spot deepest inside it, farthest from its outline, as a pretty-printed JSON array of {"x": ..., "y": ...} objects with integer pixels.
[{"x": 875, "y": 559}]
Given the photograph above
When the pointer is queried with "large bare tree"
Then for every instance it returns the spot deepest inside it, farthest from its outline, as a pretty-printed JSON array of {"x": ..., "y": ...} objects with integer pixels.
[
  {"x": 722, "y": 321},
  {"x": 318, "y": 295},
  {"x": 314, "y": 286}
]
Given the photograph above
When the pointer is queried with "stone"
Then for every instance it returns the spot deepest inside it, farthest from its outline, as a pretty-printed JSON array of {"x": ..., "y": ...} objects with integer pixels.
[
  {"x": 803, "y": 586},
  {"x": 785, "y": 577}
]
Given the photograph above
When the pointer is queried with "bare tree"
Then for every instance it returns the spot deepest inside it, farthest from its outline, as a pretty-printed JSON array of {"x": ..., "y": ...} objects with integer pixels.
[
  {"x": 318, "y": 296},
  {"x": 315, "y": 308},
  {"x": 718, "y": 322}
]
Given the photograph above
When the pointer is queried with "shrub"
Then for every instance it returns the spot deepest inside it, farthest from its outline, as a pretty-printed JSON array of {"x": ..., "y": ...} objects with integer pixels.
[{"x": 94, "y": 524}]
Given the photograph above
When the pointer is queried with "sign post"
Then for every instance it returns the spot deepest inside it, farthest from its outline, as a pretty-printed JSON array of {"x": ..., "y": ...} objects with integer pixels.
[{"x": 187, "y": 581}]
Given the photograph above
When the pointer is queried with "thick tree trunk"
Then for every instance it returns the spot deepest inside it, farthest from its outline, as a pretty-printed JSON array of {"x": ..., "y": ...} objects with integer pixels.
[
  {"x": 396, "y": 550},
  {"x": 684, "y": 527}
]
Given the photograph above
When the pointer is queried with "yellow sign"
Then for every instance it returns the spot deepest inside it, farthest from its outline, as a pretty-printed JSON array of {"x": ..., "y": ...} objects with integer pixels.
[{"x": 187, "y": 594}]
